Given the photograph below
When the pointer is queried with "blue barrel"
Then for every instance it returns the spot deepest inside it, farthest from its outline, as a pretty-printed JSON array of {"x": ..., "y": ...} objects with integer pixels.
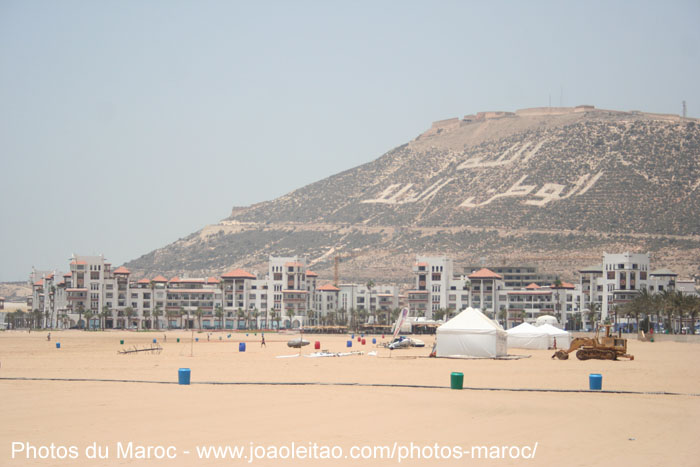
[
  {"x": 196, "y": 339},
  {"x": 241, "y": 346},
  {"x": 374, "y": 340},
  {"x": 58, "y": 345},
  {"x": 352, "y": 336},
  {"x": 183, "y": 376},
  {"x": 349, "y": 344},
  {"x": 595, "y": 382},
  {"x": 154, "y": 341},
  {"x": 246, "y": 334}
]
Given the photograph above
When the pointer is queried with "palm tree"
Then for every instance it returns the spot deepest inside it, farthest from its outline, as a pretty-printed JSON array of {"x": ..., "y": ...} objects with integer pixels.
[
  {"x": 693, "y": 313},
  {"x": 146, "y": 319},
  {"x": 684, "y": 305},
  {"x": 646, "y": 302},
  {"x": 103, "y": 315},
  {"x": 273, "y": 316},
  {"x": 353, "y": 318},
  {"x": 633, "y": 309},
  {"x": 182, "y": 313},
  {"x": 255, "y": 313},
  {"x": 667, "y": 305},
  {"x": 503, "y": 314},
  {"x": 169, "y": 315},
  {"x": 362, "y": 315},
  {"x": 157, "y": 313},
  {"x": 240, "y": 314},
  {"x": 129, "y": 313},
  {"x": 81, "y": 310},
  {"x": 219, "y": 313},
  {"x": 198, "y": 313},
  {"x": 370, "y": 285},
  {"x": 557, "y": 304},
  {"x": 592, "y": 313},
  {"x": 290, "y": 315},
  {"x": 89, "y": 314}
]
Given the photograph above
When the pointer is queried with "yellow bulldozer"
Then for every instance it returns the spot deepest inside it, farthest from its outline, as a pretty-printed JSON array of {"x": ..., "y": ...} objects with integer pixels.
[{"x": 607, "y": 347}]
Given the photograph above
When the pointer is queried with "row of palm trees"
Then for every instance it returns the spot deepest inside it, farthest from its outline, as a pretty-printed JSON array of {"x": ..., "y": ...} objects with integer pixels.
[
  {"x": 674, "y": 308},
  {"x": 151, "y": 319}
]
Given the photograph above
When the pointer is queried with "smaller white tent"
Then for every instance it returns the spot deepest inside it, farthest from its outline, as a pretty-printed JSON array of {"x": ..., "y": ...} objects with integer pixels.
[
  {"x": 563, "y": 337},
  {"x": 527, "y": 336},
  {"x": 546, "y": 319},
  {"x": 471, "y": 334}
]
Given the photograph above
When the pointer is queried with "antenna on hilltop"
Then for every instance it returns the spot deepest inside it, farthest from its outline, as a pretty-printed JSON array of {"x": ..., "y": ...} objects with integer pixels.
[
  {"x": 561, "y": 96},
  {"x": 685, "y": 110}
]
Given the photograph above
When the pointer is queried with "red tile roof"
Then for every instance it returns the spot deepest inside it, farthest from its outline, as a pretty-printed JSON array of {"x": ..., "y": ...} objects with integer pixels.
[
  {"x": 311, "y": 274},
  {"x": 564, "y": 285},
  {"x": 75, "y": 263},
  {"x": 160, "y": 279},
  {"x": 122, "y": 270},
  {"x": 49, "y": 277},
  {"x": 174, "y": 279},
  {"x": 144, "y": 281},
  {"x": 533, "y": 286},
  {"x": 39, "y": 283},
  {"x": 213, "y": 280},
  {"x": 68, "y": 274},
  {"x": 329, "y": 288},
  {"x": 425, "y": 265},
  {"x": 238, "y": 274},
  {"x": 484, "y": 273}
]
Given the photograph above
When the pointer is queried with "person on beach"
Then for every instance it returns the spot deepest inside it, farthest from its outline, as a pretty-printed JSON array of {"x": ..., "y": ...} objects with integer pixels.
[
  {"x": 48, "y": 337},
  {"x": 262, "y": 343}
]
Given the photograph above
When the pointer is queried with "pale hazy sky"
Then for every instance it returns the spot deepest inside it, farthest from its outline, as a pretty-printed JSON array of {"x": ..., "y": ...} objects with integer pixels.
[{"x": 125, "y": 125}]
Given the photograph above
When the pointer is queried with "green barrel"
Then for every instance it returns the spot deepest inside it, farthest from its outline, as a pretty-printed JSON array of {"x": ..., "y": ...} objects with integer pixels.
[
  {"x": 178, "y": 339},
  {"x": 456, "y": 380},
  {"x": 121, "y": 341}
]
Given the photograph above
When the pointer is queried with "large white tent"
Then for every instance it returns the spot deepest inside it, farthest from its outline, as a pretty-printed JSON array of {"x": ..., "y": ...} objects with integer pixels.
[
  {"x": 546, "y": 319},
  {"x": 563, "y": 337},
  {"x": 471, "y": 334},
  {"x": 527, "y": 336}
]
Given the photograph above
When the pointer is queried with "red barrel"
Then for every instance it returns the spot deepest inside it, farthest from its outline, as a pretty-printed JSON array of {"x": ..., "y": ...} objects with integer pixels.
[
  {"x": 317, "y": 345},
  {"x": 364, "y": 342},
  {"x": 359, "y": 339}
]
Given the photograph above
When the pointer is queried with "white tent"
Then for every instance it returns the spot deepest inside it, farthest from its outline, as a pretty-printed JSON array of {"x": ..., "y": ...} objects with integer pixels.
[
  {"x": 546, "y": 319},
  {"x": 563, "y": 337},
  {"x": 527, "y": 336},
  {"x": 471, "y": 334}
]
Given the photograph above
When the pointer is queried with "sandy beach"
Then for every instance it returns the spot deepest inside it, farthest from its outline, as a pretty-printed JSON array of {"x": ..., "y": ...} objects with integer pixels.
[{"x": 395, "y": 419}]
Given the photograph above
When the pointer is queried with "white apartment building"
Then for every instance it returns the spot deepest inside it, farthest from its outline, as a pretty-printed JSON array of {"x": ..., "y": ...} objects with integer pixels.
[
  {"x": 288, "y": 295},
  {"x": 528, "y": 303},
  {"x": 619, "y": 279},
  {"x": 379, "y": 300}
]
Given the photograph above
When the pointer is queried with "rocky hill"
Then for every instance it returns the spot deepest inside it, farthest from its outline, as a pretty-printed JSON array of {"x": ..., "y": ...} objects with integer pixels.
[{"x": 554, "y": 187}]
